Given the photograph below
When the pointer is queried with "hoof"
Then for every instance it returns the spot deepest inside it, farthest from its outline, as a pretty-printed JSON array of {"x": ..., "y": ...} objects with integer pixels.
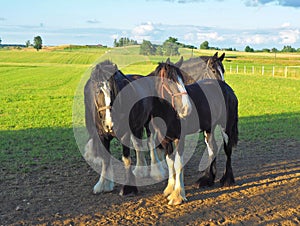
[
  {"x": 227, "y": 181},
  {"x": 176, "y": 198},
  {"x": 103, "y": 187},
  {"x": 128, "y": 190},
  {"x": 168, "y": 190},
  {"x": 204, "y": 182}
]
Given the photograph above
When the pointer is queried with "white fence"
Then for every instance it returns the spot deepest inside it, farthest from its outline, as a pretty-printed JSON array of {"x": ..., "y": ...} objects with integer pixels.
[{"x": 268, "y": 70}]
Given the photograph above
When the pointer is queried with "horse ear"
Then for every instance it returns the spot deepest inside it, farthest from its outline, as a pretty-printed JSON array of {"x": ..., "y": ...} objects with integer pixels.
[
  {"x": 179, "y": 63},
  {"x": 221, "y": 58},
  {"x": 168, "y": 61},
  {"x": 216, "y": 55}
]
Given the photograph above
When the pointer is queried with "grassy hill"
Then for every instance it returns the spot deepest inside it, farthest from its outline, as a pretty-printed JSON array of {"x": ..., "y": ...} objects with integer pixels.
[{"x": 37, "y": 93}]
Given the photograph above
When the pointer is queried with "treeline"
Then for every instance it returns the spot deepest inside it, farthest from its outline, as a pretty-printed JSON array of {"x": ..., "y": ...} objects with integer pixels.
[
  {"x": 285, "y": 49},
  {"x": 170, "y": 47},
  {"x": 124, "y": 42}
]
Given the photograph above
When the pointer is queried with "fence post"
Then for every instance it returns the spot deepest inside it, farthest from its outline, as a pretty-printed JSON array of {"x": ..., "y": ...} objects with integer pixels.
[
  {"x": 285, "y": 71},
  {"x": 230, "y": 69},
  {"x": 252, "y": 69},
  {"x": 262, "y": 70},
  {"x": 237, "y": 69},
  {"x": 244, "y": 69},
  {"x": 273, "y": 71}
]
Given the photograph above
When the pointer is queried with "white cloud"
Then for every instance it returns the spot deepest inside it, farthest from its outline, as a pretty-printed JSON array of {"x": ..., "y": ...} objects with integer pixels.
[
  {"x": 143, "y": 29},
  {"x": 213, "y": 36},
  {"x": 285, "y": 25},
  {"x": 289, "y": 36},
  {"x": 255, "y": 39},
  {"x": 189, "y": 37},
  {"x": 115, "y": 36}
]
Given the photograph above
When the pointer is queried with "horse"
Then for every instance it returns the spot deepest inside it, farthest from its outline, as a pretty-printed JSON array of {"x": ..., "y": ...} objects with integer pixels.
[
  {"x": 203, "y": 67},
  {"x": 193, "y": 70},
  {"x": 214, "y": 103},
  {"x": 102, "y": 96}
]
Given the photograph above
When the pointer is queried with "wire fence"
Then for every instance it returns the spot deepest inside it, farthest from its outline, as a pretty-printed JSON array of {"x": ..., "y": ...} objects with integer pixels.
[{"x": 267, "y": 70}]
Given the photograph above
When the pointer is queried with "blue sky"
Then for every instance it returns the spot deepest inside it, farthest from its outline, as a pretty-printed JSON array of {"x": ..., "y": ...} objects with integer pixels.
[{"x": 223, "y": 23}]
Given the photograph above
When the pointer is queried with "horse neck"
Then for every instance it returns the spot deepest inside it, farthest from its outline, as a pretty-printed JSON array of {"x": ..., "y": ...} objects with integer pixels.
[
  {"x": 197, "y": 69},
  {"x": 118, "y": 82}
]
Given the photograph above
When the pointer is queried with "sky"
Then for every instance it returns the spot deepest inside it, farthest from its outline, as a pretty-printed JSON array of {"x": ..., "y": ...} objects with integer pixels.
[{"x": 223, "y": 23}]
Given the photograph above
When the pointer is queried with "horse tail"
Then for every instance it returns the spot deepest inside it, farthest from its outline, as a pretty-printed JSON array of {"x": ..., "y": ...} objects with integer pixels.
[
  {"x": 232, "y": 120},
  {"x": 89, "y": 109}
]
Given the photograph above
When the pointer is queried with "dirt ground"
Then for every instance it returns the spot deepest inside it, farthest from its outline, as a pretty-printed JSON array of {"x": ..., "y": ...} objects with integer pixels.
[{"x": 267, "y": 192}]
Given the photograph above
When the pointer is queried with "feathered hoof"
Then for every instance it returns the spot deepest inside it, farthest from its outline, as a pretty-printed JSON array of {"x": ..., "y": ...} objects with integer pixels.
[
  {"x": 227, "y": 180},
  {"x": 168, "y": 190},
  {"x": 128, "y": 190},
  {"x": 204, "y": 182},
  {"x": 176, "y": 198}
]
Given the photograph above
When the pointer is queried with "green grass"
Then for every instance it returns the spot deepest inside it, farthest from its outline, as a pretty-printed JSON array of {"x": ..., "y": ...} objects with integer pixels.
[
  {"x": 37, "y": 92},
  {"x": 268, "y": 107}
]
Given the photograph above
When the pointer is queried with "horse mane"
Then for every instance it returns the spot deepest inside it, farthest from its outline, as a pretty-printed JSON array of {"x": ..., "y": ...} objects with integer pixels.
[
  {"x": 171, "y": 71},
  {"x": 103, "y": 71}
]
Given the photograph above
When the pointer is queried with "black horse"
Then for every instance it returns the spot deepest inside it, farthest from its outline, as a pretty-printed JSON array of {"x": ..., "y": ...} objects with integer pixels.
[
  {"x": 108, "y": 94},
  {"x": 193, "y": 70},
  {"x": 214, "y": 103},
  {"x": 203, "y": 67}
]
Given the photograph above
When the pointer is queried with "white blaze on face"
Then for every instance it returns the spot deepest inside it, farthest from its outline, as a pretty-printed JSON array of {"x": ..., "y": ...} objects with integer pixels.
[
  {"x": 107, "y": 99},
  {"x": 221, "y": 73},
  {"x": 186, "y": 104}
]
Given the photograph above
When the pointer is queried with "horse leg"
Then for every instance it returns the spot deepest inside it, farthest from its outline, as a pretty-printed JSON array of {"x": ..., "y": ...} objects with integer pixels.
[
  {"x": 158, "y": 171},
  {"x": 171, "y": 181},
  {"x": 105, "y": 183},
  {"x": 141, "y": 169},
  {"x": 207, "y": 177},
  {"x": 129, "y": 186},
  {"x": 228, "y": 178},
  {"x": 178, "y": 194}
]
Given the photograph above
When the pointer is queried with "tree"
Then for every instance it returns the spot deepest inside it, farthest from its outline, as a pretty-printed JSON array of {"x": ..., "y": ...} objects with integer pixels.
[
  {"x": 249, "y": 49},
  {"x": 116, "y": 44},
  {"x": 289, "y": 49},
  {"x": 0, "y": 41},
  {"x": 159, "y": 51},
  {"x": 124, "y": 41},
  {"x": 170, "y": 48},
  {"x": 172, "y": 39},
  {"x": 147, "y": 48},
  {"x": 266, "y": 50},
  {"x": 27, "y": 43},
  {"x": 37, "y": 43},
  {"x": 204, "y": 45}
]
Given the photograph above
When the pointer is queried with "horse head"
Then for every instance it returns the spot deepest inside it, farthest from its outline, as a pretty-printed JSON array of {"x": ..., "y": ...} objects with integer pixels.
[
  {"x": 103, "y": 85},
  {"x": 214, "y": 66},
  {"x": 198, "y": 68},
  {"x": 170, "y": 87}
]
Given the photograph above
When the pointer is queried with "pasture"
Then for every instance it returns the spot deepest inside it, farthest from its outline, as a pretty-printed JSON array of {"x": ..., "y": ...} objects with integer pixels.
[{"x": 44, "y": 178}]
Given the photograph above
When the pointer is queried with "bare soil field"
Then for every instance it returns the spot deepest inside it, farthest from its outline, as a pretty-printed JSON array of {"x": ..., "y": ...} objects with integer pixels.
[{"x": 266, "y": 193}]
